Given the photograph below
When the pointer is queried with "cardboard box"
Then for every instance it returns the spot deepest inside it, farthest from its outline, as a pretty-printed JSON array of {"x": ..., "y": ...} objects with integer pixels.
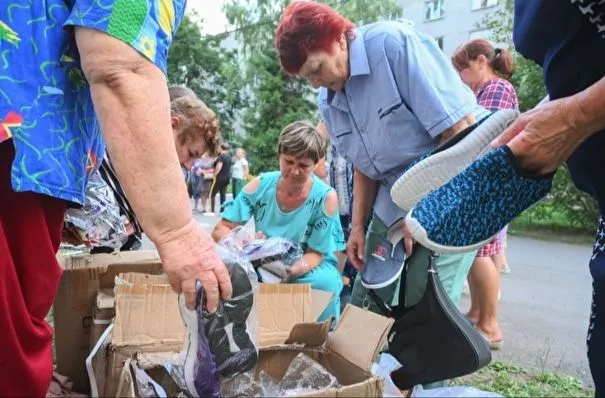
[
  {"x": 103, "y": 313},
  {"x": 145, "y": 324},
  {"x": 147, "y": 321},
  {"x": 347, "y": 353},
  {"x": 82, "y": 278}
]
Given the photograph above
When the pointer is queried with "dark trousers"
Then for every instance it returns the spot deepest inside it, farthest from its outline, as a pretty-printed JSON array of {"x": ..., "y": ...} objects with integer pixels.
[
  {"x": 219, "y": 187},
  {"x": 596, "y": 328}
]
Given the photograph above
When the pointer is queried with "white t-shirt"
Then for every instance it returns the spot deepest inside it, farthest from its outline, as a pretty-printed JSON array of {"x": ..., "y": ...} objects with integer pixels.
[{"x": 237, "y": 170}]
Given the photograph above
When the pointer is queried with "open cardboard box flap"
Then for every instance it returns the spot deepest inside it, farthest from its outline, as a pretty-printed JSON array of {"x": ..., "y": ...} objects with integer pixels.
[
  {"x": 146, "y": 312},
  {"x": 148, "y": 320},
  {"x": 359, "y": 336},
  {"x": 288, "y": 314},
  {"x": 81, "y": 261}
]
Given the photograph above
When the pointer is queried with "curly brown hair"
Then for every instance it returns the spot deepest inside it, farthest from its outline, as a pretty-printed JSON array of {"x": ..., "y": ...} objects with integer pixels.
[{"x": 198, "y": 121}]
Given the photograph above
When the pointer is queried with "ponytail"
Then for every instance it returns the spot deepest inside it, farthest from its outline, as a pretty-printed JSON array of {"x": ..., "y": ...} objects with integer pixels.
[{"x": 500, "y": 60}]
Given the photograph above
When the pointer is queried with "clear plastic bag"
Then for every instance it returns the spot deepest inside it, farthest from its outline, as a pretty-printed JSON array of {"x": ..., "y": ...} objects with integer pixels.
[
  {"x": 453, "y": 392},
  {"x": 99, "y": 219},
  {"x": 242, "y": 385},
  {"x": 146, "y": 387},
  {"x": 238, "y": 238},
  {"x": 222, "y": 343},
  {"x": 385, "y": 366},
  {"x": 269, "y": 386},
  {"x": 304, "y": 376},
  {"x": 270, "y": 257}
]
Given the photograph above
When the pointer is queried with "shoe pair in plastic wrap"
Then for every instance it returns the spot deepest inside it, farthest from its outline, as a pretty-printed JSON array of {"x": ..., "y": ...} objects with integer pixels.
[{"x": 220, "y": 343}]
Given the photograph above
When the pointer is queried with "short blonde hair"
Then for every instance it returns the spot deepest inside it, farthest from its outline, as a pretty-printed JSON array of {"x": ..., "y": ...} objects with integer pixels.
[
  {"x": 302, "y": 139},
  {"x": 199, "y": 121}
]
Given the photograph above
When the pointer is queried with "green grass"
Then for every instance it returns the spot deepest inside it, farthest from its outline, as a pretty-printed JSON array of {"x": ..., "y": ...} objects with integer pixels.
[
  {"x": 553, "y": 228},
  {"x": 514, "y": 381}
]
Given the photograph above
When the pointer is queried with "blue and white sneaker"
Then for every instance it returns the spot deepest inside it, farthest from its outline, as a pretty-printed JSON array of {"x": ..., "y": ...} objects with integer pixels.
[
  {"x": 466, "y": 212},
  {"x": 386, "y": 262},
  {"x": 448, "y": 160}
]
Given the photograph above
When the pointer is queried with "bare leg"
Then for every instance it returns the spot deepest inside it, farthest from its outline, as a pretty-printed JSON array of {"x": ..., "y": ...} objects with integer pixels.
[
  {"x": 500, "y": 258},
  {"x": 473, "y": 312},
  {"x": 484, "y": 282},
  {"x": 500, "y": 262}
]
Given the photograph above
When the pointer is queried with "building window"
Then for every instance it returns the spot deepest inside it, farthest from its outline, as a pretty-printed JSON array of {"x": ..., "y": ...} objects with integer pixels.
[
  {"x": 439, "y": 41},
  {"x": 434, "y": 9},
  {"x": 479, "y": 4},
  {"x": 480, "y": 34}
]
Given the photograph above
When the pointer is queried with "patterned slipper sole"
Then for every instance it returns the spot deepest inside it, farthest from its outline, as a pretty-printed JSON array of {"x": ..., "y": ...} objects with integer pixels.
[
  {"x": 465, "y": 213},
  {"x": 438, "y": 168}
]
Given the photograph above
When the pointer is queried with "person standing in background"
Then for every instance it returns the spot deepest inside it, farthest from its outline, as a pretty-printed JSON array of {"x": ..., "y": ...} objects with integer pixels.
[
  {"x": 485, "y": 69},
  {"x": 206, "y": 177},
  {"x": 222, "y": 176},
  {"x": 240, "y": 171},
  {"x": 388, "y": 96},
  {"x": 195, "y": 182}
]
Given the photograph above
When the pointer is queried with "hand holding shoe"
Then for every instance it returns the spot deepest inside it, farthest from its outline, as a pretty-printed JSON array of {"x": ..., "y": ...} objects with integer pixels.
[
  {"x": 543, "y": 139},
  {"x": 188, "y": 255}
]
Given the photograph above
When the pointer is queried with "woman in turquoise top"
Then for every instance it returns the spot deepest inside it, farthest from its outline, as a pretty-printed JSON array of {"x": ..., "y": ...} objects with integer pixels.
[{"x": 293, "y": 203}]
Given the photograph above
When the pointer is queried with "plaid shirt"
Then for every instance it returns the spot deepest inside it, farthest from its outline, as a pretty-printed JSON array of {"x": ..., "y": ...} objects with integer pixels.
[{"x": 497, "y": 94}]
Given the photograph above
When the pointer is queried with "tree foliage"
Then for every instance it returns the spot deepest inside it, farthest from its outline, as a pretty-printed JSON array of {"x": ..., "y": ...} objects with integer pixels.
[
  {"x": 527, "y": 78},
  {"x": 565, "y": 200},
  {"x": 271, "y": 99},
  {"x": 201, "y": 63}
]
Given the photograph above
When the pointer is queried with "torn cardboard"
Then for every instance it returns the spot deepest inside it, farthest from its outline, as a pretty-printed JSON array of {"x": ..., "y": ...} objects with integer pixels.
[
  {"x": 96, "y": 363},
  {"x": 287, "y": 327},
  {"x": 103, "y": 313},
  {"x": 83, "y": 276},
  {"x": 147, "y": 321},
  {"x": 282, "y": 306},
  {"x": 348, "y": 353},
  {"x": 147, "y": 313}
]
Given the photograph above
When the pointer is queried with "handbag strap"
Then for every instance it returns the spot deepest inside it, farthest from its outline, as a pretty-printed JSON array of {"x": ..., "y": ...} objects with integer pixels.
[
  {"x": 384, "y": 307},
  {"x": 389, "y": 311}
]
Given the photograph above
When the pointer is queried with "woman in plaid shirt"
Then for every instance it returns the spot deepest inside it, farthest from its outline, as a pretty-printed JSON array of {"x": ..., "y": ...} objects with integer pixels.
[{"x": 485, "y": 69}]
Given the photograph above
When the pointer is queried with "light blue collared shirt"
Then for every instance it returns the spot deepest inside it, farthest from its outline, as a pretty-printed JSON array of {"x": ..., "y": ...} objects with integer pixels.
[{"x": 402, "y": 93}]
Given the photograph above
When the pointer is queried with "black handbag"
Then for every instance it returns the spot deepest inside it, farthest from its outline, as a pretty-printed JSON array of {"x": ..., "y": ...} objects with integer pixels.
[{"x": 431, "y": 338}]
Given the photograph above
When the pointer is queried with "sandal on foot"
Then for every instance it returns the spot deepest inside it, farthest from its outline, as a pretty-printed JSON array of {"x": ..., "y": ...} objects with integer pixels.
[{"x": 493, "y": 345}]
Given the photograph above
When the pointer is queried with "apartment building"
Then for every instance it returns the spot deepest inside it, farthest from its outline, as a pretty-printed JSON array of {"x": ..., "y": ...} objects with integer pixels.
[{"x": 450, "y": 22}]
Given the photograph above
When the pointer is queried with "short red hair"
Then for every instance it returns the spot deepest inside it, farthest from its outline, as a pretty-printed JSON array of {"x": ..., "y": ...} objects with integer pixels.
[{"x": 307, "y": 26}]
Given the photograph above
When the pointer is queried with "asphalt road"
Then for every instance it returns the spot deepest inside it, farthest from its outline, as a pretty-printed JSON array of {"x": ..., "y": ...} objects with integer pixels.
[{"x": 544, "y": 307}]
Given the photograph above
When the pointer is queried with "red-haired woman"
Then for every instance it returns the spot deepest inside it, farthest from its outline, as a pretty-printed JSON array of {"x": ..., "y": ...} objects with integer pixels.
[
  {"x": 388, "y": 96},
  {"x": 485, "y": 68}
]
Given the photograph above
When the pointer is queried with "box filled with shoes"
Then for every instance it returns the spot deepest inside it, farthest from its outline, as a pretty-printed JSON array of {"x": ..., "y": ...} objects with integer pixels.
[{"x": 139, "y": 351}]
